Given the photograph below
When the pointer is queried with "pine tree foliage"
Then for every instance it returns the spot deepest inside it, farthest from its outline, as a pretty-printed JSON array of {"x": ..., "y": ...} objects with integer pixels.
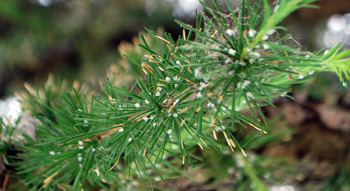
[{"x": 191, "y": 95}]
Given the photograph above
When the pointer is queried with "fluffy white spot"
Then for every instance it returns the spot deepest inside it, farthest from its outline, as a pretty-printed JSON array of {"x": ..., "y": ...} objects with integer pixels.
[
  {"x": 45, "y": 3},
  {"x": 137, "y": 105},
  {"x": 336, "y": 23},
  {"x": 52, "y": 152},
  {"x": 176, "y": 78},
  {"x": 169, "y": 131},
  {"x": 266, "y": 46},
  {"x": 228, "y": 61},
  {"x": 231, "y": 52},
  {"x": 211, "y": 105},
  {"x": 230, "y": 32},
  {"x": 231, "y": 170},
  {"x": 176, "y": 101},
  {"x": 121, "y": 130},
  {"x": 196, "y": 72},
  {"x": 252, "y": 33},
  {"x": 245, "y": 84},
  {"x": 250, "y": 95},
  {"x": 174, "y": 147},
  {"x": 201, "y": 86},
  {"x": 271, "y": 31},
  {"x": 80, "y": 143},
  {"x": 282, "y": 188},
  {"x": 256, "y": 54}
]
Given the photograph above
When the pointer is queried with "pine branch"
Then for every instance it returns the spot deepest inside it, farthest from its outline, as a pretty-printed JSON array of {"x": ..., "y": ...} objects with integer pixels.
[{"x": 193, "y": 91}]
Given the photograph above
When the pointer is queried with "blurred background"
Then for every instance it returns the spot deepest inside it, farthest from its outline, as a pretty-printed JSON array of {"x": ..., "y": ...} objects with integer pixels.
[
  {"x": 75, "y": 39},
  {"x": 83, "y": 40},
  {"x": 78, "y": 39}
]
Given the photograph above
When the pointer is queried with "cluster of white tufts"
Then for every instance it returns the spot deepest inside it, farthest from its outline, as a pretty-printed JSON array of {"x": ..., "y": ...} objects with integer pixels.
[
  {"x": 244, "y": 84},
  {"x": 80, "y": 158},
  {"x": 81, "y": 143},
  {"x": 197, "y": 72},
  {"x": 211, "y": 105},
  {"x": 159, "y": 89}
]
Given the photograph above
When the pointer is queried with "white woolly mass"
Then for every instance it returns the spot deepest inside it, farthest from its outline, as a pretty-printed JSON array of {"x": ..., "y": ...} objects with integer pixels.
[{"x": 10, "y": 110}]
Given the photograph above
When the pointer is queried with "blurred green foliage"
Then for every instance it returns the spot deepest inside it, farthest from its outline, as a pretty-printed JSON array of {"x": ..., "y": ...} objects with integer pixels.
[{"x": 74, "y": 39}]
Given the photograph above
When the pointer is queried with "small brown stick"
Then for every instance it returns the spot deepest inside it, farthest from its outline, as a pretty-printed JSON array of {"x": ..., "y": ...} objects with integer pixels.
[{"x": 6, "y": 181}]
